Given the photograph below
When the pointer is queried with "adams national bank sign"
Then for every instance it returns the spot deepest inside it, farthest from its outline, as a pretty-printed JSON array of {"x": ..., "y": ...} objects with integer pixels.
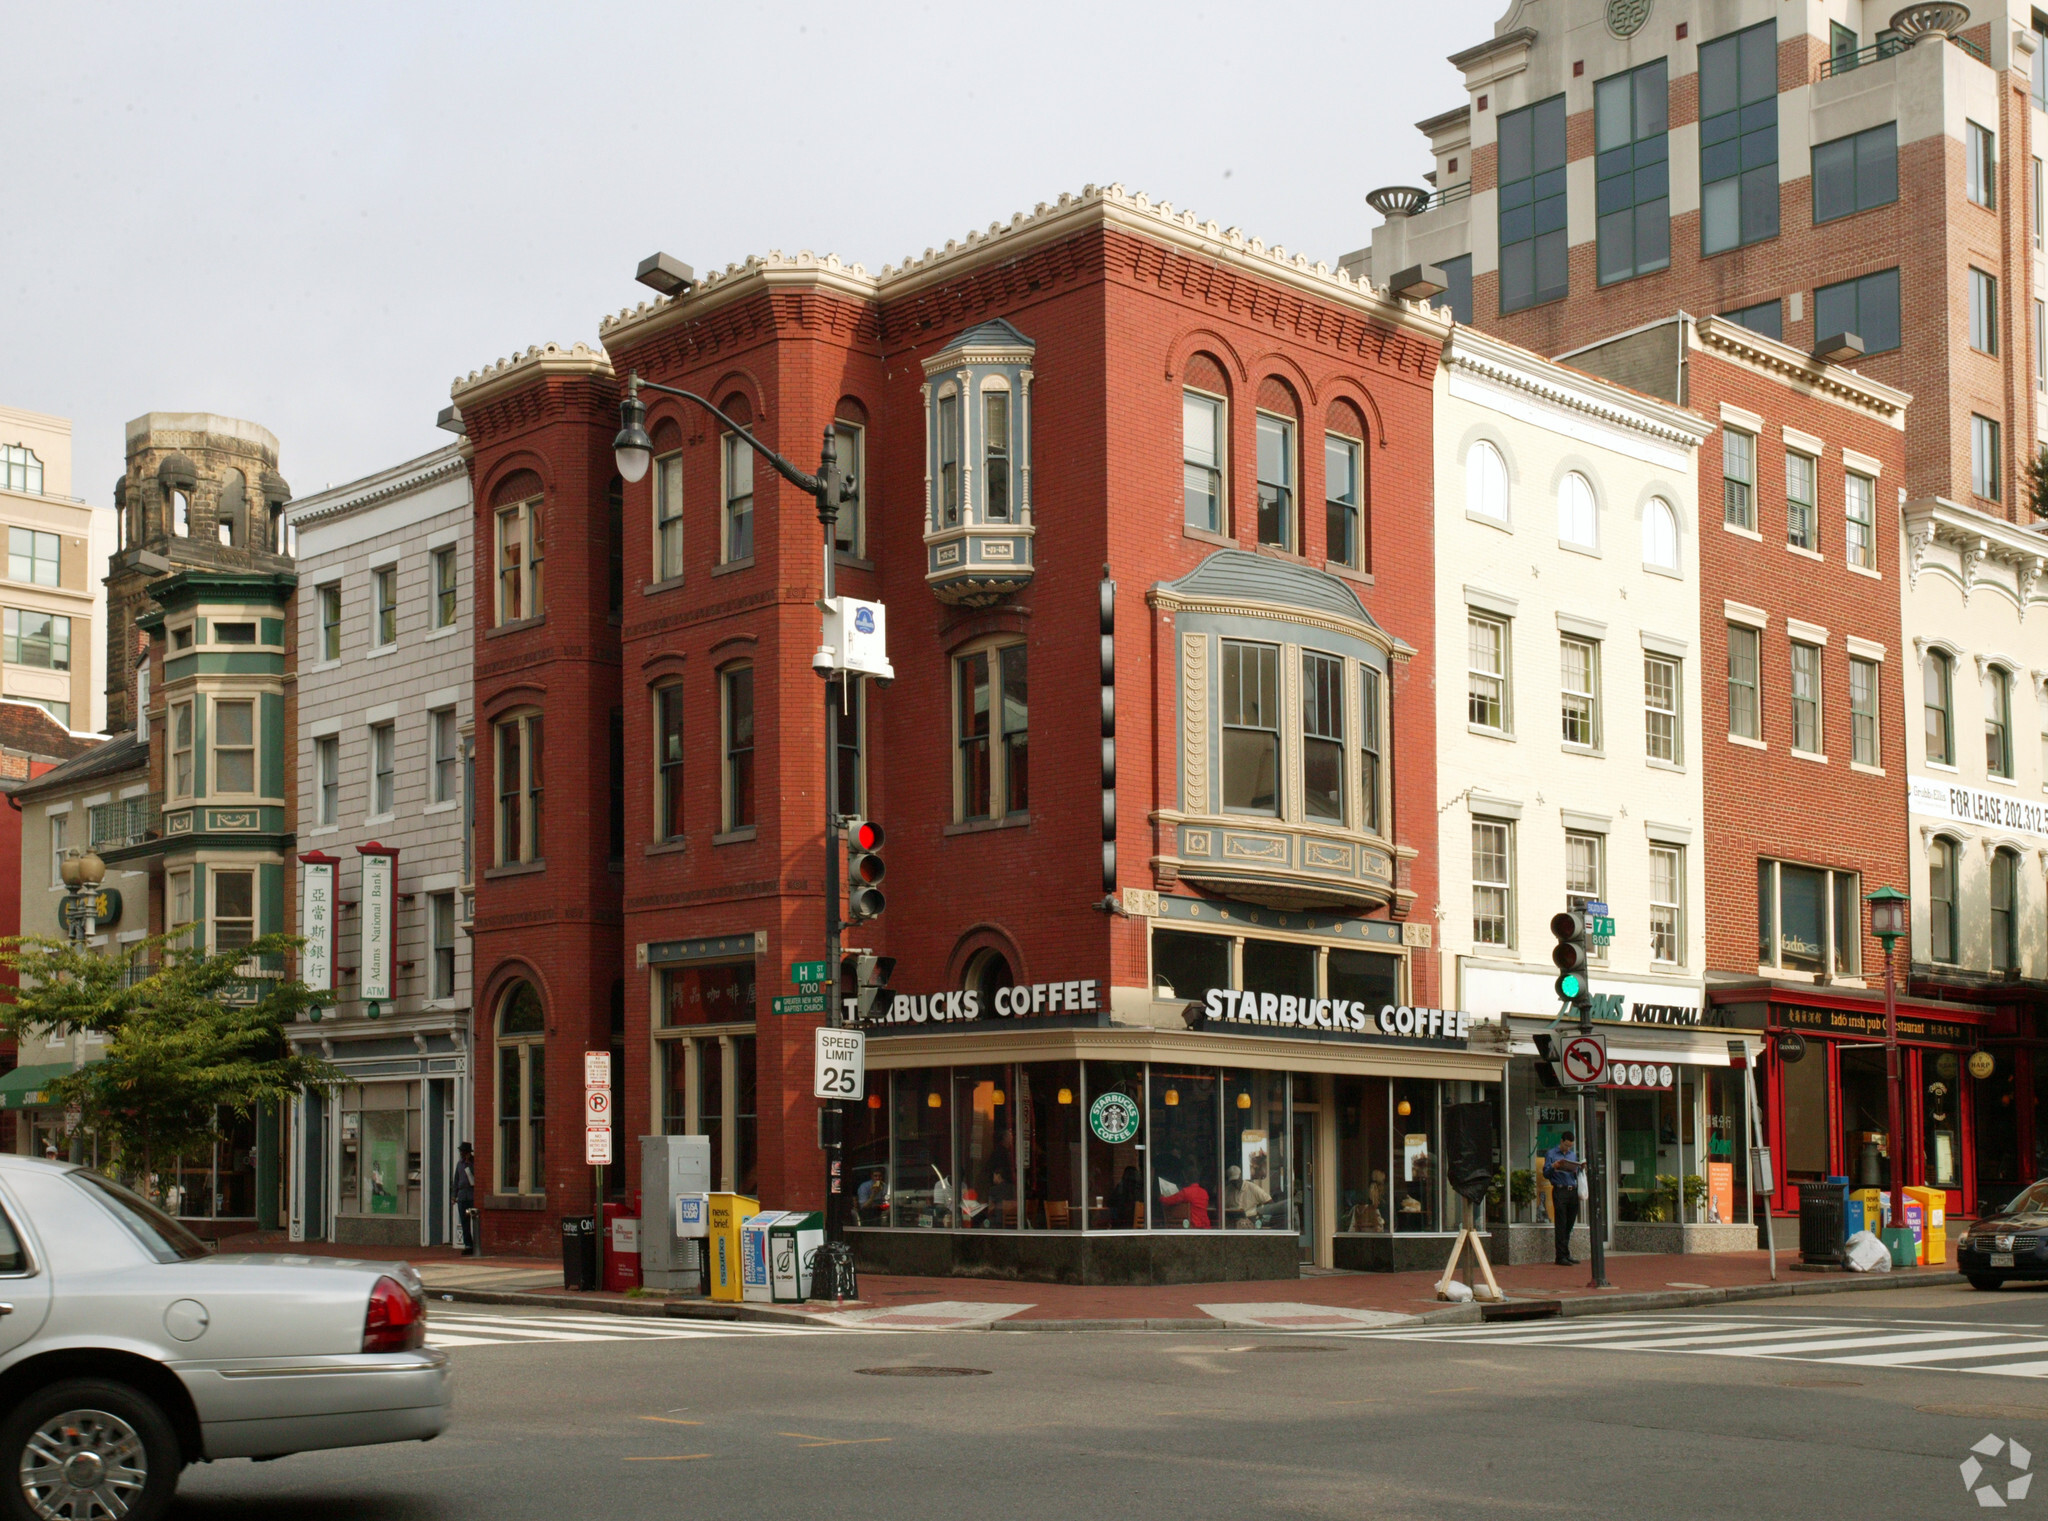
[{"x": 1933, "y": 798}]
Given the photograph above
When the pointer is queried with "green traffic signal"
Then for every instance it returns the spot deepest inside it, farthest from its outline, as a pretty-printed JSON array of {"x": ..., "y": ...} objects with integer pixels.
[{"x": 1569, "y": 986}]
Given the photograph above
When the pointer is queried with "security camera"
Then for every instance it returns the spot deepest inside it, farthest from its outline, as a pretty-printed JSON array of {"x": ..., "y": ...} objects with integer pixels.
[
  {"x": 881, "y": 682},
  {"x": 822, "y": 663}
]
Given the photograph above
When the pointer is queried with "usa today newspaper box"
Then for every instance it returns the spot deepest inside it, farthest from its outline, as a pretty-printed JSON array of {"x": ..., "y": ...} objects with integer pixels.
[{"x": 791, "y": 1242}]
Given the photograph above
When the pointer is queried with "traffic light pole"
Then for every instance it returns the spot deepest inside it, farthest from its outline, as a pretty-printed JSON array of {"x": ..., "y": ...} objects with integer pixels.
[
  {"x": 824, "y": 1273},
  {"x": 1596, "y": 1172}
]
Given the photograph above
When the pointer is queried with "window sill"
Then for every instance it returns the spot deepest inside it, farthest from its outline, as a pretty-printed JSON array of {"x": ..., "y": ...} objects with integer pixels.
[
  {"x": 378, "y": 818},
  {"x": 448, "y": 807},
  {"x": 516, "y": 625},
  {"x": 731, "y": 566},
  {"x": 1866, "y": 770},
  {"x": 1745, "y": 740},
  {"x": 515, "y": 869},
  {"x": 656, "y": 588},
  {"x": 323, "y": 665},
  {"x": 1280, "y": 552},
  {"x": 735, "y": 836},
  {"x": 1664, "y": 765},
  {"x": 1484, "y": 732},
  {"x": 1662, "y": 570},
  {"x": 1207, "y": 536},
  {"x": 445, "y": 630},
  {"x": 1740, "y": 532},
  {"x": 1808, "y": 755},
  {"x": 1345, "y": 572},
  {"x": 377, "y": 652},
  {"x": 985, "y": 826},
  {"x": 1995, "y": 780},
  {"x": 1935, "y": 765},
  {"x": 1490, "y": 521},
  {"x": 1865, "y": 570},
  {"x": 1593, "y": 752},
  {"x": 1581, "y": 549},
  {"x": 324, "y": 829},
  {"x": 665, "y": 848},
  {"x": 851, "y": 561},
  {"x": 1806, "y": 554}
]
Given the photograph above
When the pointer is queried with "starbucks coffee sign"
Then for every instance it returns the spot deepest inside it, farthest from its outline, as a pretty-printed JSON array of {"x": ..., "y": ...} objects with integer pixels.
[{"x": 1114, "y": 1118}]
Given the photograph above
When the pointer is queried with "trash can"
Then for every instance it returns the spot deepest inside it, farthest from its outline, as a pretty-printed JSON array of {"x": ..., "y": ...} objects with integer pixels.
[
  {"x": 579, "y": 1253},
  {"x": 791, "y": 1241},
  {"x": 1823, "y": 1218},
  {"x": 722, "y": 1242},
  {"x": 1933, "y": 1204},
  {"x": 755, "y": 1284},
  {"x": 622, "y": 1246}
]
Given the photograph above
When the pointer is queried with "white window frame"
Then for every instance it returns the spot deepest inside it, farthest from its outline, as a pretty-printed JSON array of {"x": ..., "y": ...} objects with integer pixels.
[
  {"x": 668, "y": 517},
  {"x": 445, "y": 768},
  {"x": 384, "y": 607},
  {"x": 1219, "y": 468},
  {"x": 1814, "y": 699},
  {"x": 254, "y": 747},
  {"x": 60, "y": 826},
  {"x": 1738, "y": 492},
  {"x": 1486, "y": 483},
  {"x": 1289, "y": 489},
  {"x": 1578, "y": 507},
  {"x": 525, "y": 850},
  {"x": 520, "y": 529},
  {"x": 215, "y": 876},
  {"x": 1802, "y": 500},
  {"x": 1671, "y": 710},
  {"x": 183, "y": 760},
  {"x": 850, "y": 440},
  {"x": 1859, "y": 516},
  {"x": 383, "y": 769},
  {"x": 1866, "y": 719},
  {"x": 330, "y": 621},
  {"x": 733, "y": 503},
  {"x": 1504, "y": 886},
  {"x": 327, "y": 779},
  {"x": 1579, "y": 704},
  {"x": 1475, "y": 674},
  {"x": 1667, "y": 913}
]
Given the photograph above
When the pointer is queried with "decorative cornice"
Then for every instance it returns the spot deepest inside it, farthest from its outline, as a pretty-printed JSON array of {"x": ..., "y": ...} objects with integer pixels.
[
  {"x": 1976, "y": 537},
  {"x": 1488, "y": 358},
  {"x": 1887, "y": 403},
  {"x": 539, "y": 360},
  {"x": 401, "y": 480},
  {"x": 1172, "y": 601}
]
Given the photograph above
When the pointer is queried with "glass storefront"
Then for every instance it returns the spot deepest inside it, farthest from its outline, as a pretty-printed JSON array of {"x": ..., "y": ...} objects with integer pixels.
[
  {"x": 710, "y": 1085},
  {"x": 380, "y": 1150}
]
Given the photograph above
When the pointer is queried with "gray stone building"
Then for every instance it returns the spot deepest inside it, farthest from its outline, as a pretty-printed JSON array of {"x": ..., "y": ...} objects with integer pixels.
[{"x": 383, "y": 744}]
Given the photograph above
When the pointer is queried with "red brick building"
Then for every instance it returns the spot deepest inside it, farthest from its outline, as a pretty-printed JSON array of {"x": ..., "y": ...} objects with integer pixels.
[{"x": 1103, "y": 384}]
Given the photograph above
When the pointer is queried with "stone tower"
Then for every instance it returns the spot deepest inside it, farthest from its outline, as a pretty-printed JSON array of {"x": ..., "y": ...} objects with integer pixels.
[{"x": 201, "y": 492}]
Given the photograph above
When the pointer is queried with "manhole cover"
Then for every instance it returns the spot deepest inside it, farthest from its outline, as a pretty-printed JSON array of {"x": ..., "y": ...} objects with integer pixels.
[
  {"x": 1820, "y": 1383},
  {"x": 919, "y": 1370},
  {"x": 1987, "y": 1412},
  {"x": 1289, "y": 1347}
]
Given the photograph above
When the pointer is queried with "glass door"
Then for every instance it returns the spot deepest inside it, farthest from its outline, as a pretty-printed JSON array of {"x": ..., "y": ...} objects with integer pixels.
[{"x": 1301, "y": 1164}]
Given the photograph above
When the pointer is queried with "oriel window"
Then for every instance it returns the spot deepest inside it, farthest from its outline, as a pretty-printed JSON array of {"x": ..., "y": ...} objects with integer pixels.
[{"x": 1251, "y": 727}]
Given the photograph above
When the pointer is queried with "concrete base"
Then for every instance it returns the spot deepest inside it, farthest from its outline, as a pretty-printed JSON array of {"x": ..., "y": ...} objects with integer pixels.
[
  {"x": 1049, "y": 1257},
  {"x": 377, "y": 1230},
  {"x": 1402, "y": 1254},
  {"x": 1641, "y": 1236},
  {"x": 1537, "y": 1243}
]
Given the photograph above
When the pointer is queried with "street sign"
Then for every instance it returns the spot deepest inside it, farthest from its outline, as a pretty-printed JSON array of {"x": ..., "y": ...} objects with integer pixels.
[
  {"x": 1584, "y": 1060},
  {"x": 842, "y": 1064},
  {"x": 597, "y": 1108},
  {"x": 809, "y": 971},
  {"x": 597, "y": 1069},
  {"x": 597, "y": 1145},
  {"x": 1603, "y": 928},
  {"x": 800, "y": 1003}
]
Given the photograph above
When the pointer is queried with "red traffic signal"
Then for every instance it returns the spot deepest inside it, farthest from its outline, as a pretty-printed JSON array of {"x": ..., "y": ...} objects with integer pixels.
[
  {"x": 865, "y": 869},
  {"x": 864, "y": 834}
]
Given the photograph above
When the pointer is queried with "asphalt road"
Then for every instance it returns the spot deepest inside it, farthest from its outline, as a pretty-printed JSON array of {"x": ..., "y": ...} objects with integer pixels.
[{"x": 1502, "y": 1423}]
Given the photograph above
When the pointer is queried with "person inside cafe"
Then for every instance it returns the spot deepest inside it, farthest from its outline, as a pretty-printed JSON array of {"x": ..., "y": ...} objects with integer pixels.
[{"x": 1191, "y": 1194}]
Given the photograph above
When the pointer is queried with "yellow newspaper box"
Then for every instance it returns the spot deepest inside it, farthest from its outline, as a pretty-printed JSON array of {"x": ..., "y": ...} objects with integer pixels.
[
  {"x": 722, "y": 1241},
  {"x": 1933, "y": 1204}
]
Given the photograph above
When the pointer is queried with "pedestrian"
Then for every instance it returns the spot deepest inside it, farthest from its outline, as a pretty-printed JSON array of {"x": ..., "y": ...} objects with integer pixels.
[
  {"x": 1561, "y": 1170},
  {"x": 463, "y": 1187}
]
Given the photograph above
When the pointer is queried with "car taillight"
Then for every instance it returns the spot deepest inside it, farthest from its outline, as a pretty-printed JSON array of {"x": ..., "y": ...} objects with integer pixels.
[{"x": 396, "y": 1320}]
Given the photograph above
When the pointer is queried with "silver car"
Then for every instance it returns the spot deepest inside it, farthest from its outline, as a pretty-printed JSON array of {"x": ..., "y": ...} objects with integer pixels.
[{"x": 129, "y": 1349}]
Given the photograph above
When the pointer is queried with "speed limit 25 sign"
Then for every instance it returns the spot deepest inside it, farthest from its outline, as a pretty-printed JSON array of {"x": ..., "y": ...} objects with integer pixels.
[{"x": 842, "y": 1063}]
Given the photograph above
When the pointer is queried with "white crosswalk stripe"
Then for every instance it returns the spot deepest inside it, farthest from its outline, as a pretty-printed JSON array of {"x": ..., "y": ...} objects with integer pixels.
[
  {"x": 1951, "y": 1347},
  {"x": 474, "y": 1329}
]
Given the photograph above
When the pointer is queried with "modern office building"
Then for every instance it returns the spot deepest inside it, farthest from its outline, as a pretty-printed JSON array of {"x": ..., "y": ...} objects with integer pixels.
[{"x": 54, "y": 602}]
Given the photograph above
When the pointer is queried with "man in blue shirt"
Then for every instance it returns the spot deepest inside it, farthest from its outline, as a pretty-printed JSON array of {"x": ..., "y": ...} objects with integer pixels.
[{"x": 1561, "y": 1171}]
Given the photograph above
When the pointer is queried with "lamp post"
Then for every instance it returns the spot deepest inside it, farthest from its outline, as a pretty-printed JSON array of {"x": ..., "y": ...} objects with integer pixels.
[
  {"x": 82, "y": 871},
  {"x": 1888, "y": 922},
  {"x": 832, "y": 489}
]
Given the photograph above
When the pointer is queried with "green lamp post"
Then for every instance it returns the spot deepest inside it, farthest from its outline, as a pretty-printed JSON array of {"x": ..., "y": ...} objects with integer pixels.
[{"x": 1888, "y": 921}]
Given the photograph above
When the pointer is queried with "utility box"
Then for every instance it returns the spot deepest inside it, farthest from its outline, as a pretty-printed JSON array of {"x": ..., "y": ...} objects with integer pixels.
[
  {"x": 792, "y": 1241},
  {"x": 672, "y": 1165},
  {"x": 756, "y": 1286},
  {"x": 722, "y": 1241}
]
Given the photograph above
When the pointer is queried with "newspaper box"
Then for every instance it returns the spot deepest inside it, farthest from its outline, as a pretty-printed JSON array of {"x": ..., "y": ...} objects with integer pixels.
[
  {"x": 1933, "y": 1233},
  {"x": 791, "y": 1242},
  {"x": 756, "y": 1287},
  {"x": 722, "y": 1242}
]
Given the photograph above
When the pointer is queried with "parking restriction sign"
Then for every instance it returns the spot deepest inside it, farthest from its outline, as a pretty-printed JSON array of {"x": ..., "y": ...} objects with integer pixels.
[{"x": 597, "y": 1108}]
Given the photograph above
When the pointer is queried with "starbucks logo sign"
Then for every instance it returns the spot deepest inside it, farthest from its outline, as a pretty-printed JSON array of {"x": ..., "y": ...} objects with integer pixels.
[
  {"x": 1114, "y": 1118},
  {"x": 1626, "y": 17}
]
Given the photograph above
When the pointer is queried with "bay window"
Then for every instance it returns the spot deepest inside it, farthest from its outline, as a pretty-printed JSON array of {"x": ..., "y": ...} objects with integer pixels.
[
  {"x": 1251, "y": 727},
  {"x": 234, "y": 746}
]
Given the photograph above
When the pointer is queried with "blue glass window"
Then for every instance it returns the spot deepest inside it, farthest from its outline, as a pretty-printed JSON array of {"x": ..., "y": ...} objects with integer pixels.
[
  {"x": 1532, "y": 205},
  {"x": 1739, "y": 139},
  {"x": 1632, "y": 172}
]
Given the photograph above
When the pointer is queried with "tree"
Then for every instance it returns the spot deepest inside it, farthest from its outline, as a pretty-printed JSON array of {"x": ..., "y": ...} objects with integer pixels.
[
  {"x": 2036, "y": 471},
  {"x": 196, "y": 1036}
]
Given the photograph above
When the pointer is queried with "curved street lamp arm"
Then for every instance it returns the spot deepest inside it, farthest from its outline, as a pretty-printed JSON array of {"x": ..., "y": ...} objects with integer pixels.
[{"x": 797, "y": 478}]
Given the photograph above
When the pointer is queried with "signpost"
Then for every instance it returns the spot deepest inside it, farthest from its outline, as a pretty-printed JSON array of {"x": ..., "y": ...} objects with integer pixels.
[
  {"x": 597, "y": 1113},
  {"x": 842, "y": 1063}
]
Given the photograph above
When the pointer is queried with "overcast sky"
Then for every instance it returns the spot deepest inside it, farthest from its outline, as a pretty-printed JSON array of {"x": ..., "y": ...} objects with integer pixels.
[{"x": 314, "y": 217}]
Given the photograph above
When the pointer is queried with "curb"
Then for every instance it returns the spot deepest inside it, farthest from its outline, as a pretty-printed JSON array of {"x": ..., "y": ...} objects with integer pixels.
[{"x": 1673, "y": 1299}]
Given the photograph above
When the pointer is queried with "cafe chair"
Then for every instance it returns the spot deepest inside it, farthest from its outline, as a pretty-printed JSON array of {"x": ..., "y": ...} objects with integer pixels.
[{"x": 1058, "y": 1215}]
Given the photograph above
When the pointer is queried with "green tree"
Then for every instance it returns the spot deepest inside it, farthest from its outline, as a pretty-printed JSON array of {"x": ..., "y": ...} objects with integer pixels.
[
  {"x": 189, "y": 1036},
  {"x": 2036, "y": 471}
]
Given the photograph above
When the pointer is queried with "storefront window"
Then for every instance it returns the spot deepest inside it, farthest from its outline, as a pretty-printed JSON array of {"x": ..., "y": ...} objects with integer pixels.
[
  {"x": 2040, "y": 1167},
  {"x": 711, "y": 1104},
  {"x": 1049, "y": 1121},
  {"x": 1645, "y": 1155},
  {"x": 1187, "y": 966},
  {"x": 1368, "y": 977},
  {"x": 866, "y": 1144},
  {"x": 675, "y": 1097},
  {"x": 218, "y": 1183},
  {"x": 983, "y": 1143},
  {"x": 1187, "y": 1180},
  {"x": 380, "y": 1150},
  {"x": 1866, "y": 1110},
  {"x": 1725, "y": 1163},
  {"x": 1255, "y": 1151},
  {"x": 1364, "y": 1200},
  {"x": 746, "y": 1124},
  {"x": 1941, "y": 1123},
  {"x": 1804, "y": 1086},
  {"x": 715, "y": 994},
  {"x": 921, "y": 1193},
  {"x": 1280, "y": 966},
  {"x": 1415, "y": 1155},
  {"x": 1115, "y": 1147}
]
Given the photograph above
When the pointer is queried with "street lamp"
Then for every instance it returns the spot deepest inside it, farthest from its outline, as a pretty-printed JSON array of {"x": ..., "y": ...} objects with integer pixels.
[
  {"x": 1888, "y": 915},
  {"x": 832, "y": 489},
  {"x": 82, "y": 871}
]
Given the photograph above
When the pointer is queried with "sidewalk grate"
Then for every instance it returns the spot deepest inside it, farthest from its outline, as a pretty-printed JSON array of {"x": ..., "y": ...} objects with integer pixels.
[{"x": 1521, "y": 1309}]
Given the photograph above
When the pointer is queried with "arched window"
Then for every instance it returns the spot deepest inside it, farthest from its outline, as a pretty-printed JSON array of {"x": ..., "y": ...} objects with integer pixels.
[
  {"x": 1938, "y": 695},
  {"x": 1486, "y": 482},
  {"x": 1660, "y": 534},
  {"x": 1276, "y": 426},
  {"x": 228, "y": 515},
  {"x": 522, "y": 1091},
  {"x": 1942, "y": 857},
  {"x": 2005, "y": 884},
  {"x": 20, "y": 470},
  {"x": 988, "y": 970},
  {"x": 1575, "y": 514},
  {"x": 1347, "y": 533}
]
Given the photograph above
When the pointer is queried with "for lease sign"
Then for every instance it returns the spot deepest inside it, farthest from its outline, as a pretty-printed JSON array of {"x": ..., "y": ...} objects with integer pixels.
[{"x": 1932, "y": 797}]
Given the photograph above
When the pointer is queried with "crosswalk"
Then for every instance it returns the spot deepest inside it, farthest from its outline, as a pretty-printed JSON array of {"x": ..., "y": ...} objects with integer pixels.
[
  {"x": 475, "y": 1328},
  {"x": 1943, "y": 1346}
]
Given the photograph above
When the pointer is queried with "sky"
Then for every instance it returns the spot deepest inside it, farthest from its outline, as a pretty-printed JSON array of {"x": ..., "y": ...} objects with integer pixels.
[{"x": 316, "y": 216}]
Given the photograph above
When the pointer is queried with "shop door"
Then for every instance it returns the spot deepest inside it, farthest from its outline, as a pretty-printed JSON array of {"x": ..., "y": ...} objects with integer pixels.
[{"x": 1301, "y": 1163}]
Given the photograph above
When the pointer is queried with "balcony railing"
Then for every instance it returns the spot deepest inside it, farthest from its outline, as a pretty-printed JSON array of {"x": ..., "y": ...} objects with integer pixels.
[{"x": 1887, "y": 47}]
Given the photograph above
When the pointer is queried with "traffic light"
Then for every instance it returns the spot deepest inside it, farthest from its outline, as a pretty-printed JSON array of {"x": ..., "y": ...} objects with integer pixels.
[
  {"x": 872, "y": 994},
  {"x": 864, "y": 870},
  {"x": 1547, "y": 1052},
  {"x": 1570, "y": 956}
]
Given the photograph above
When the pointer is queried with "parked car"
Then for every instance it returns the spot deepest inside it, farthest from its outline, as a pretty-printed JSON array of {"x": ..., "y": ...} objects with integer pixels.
[
  {"x": 2009, "y": 1245},
  {"x": 128, "y": 1349}
]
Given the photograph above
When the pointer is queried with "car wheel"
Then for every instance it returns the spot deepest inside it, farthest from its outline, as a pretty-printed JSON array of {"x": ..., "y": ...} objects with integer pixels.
[
  {"x": 1986, "y": 1281},
  {"x": 87, "y": 1449}
]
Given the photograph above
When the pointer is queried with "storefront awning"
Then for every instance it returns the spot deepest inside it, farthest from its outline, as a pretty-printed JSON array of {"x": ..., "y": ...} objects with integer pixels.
[
  {"x": 23, "y": 1087},
  {"x": 1698, "y": 1046}
]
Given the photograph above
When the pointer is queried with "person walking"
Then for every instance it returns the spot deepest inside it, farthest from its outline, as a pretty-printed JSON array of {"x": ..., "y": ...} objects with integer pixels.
[
  {"x": 463, "y": 1187},
  {"x": 1561, "y": 1168}
]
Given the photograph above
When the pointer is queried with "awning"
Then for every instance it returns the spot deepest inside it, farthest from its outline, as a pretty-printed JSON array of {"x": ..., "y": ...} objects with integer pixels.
[{"x": 23, "y": 1087}]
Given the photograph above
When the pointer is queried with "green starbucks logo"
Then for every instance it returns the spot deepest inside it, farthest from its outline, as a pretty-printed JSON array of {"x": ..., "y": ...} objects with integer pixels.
[{"x": 1114, "y": 1118}]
